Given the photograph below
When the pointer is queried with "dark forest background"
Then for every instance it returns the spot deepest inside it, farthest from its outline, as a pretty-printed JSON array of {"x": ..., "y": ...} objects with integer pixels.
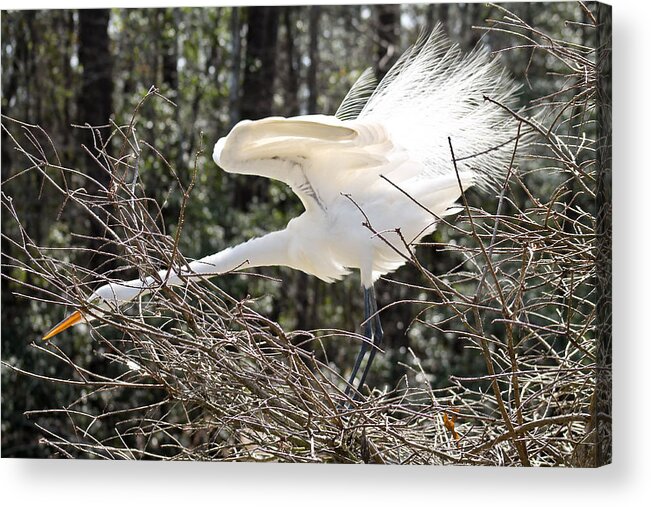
[{"x": 64, "y": 69}]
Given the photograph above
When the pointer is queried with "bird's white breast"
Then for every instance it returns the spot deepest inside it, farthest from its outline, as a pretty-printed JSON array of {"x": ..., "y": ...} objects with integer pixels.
[{"x": 357, "y": 231}]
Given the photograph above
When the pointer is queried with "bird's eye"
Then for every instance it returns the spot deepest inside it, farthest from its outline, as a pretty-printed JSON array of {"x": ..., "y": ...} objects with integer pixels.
[{"x": 94, "y": 299}]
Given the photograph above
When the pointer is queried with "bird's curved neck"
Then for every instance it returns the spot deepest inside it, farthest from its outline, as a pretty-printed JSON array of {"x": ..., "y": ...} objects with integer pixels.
[{"x": 268, "y": 250}]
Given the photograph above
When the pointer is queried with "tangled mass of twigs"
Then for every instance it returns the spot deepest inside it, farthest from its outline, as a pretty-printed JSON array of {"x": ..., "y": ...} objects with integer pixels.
[{"x": 230, "y": 384}]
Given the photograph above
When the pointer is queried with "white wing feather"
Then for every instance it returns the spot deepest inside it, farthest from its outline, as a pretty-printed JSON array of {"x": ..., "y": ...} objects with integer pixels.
[
  {"x": 312, "y": 154},
  {"x": 357, "y": 96},
  {"x": 434, "y": 92}
]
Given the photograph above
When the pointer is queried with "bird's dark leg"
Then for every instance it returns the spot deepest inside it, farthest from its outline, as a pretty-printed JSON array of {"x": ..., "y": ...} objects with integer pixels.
[
  {"x": 368, "y": 337},
  {"x": 377, "y": 336},
  {"x": 372, "y": 332}
]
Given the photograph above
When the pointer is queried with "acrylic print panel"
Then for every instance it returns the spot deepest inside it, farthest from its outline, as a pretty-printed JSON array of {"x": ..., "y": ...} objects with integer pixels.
[{"x": 437, "y": 289}]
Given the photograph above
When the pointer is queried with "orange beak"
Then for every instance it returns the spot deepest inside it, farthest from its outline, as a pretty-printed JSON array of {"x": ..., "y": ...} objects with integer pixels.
[{"x": 69, "y": 321}]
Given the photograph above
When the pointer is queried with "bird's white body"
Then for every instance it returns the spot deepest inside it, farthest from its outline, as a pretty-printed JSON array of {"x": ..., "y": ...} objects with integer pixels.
[
  {"x": 373, "y": 177},
  {"x": 335, "y": 167},
  {"x": 383, "y": 160}
]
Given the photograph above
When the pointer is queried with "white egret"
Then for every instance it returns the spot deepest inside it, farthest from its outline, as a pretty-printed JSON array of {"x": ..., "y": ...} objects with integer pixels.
[{"x": 381, "y": 163}]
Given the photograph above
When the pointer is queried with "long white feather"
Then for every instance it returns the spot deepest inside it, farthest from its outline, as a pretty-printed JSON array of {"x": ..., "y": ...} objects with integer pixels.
[
  {"x": 433, "y": 92},
  {"x": 358, "y": 95}
]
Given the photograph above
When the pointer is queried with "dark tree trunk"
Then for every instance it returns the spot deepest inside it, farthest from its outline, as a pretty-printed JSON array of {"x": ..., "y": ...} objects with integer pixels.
[
  {"x": 169, "y": 50},
  {"x": 95, "y": 108},
  {"x": 291, "y": 96},
  {"x": 35, "y": 102},
  {"x": 169, "y": 21},
  {"x": 388, "y": 31},
  {"x": 260, "y": 62},
  {"x": 236, "y": 66},
  {"x": 95, "y": 102},
  {"x": 312, "y": 85},
  {"x": 438, "y": 13},
  {"x": 469, "y": 16},
  {"x": 257, "y": 88},
  {"x": 69, "y": 43}
]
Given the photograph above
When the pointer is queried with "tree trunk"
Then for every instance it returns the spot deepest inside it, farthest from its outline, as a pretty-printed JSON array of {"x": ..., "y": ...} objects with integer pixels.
[
  {"x": 260, "y": 62},
  {"x": 257, "y": 89},
  {"x": 437, "y": 13},
  {"x": 469, "y": 14},
  {"x": 95, "y": 107},
  {"x": 315, "y": 14},
  {"x": 388, "y": 31},
  {"x": 236, "y": 66},
  {"x": 169, "y": 50},
  {"x": 291, "y": 96},
  {"x": 95, "y": 101}
]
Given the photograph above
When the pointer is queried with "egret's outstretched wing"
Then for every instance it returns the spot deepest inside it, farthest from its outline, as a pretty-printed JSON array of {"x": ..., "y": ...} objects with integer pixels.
[
  {"x": 402, "y": 129},
  {"x": 312, "y": 154}
]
